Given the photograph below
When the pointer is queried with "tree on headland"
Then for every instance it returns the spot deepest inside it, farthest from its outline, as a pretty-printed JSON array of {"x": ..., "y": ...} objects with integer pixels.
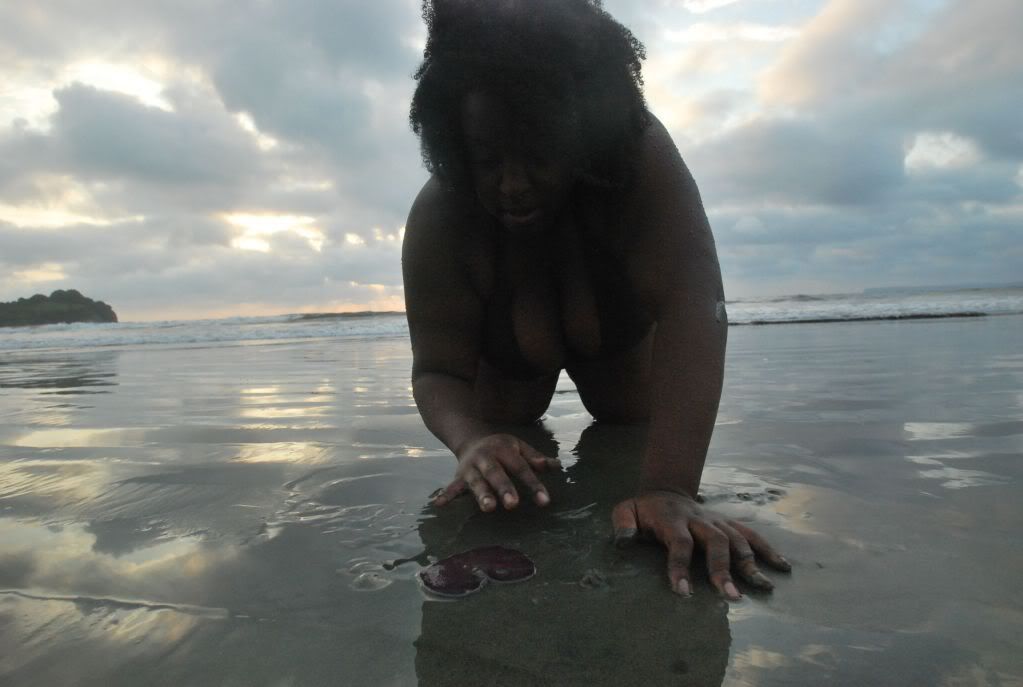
[{"x": 61, "y": 306}]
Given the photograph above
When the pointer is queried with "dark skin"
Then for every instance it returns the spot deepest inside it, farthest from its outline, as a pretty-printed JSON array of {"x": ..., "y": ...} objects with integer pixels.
[{"x": 527, "y": 229}]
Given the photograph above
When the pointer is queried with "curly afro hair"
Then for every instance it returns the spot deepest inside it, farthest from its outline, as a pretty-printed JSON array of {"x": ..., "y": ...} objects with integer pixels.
[{"x": 566, "y": 63}]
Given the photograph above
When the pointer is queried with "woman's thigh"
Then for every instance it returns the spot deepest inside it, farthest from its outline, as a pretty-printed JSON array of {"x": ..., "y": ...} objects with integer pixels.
[
  {"x": 616, "y": 388},
  {"x": 506, "y": 400}
]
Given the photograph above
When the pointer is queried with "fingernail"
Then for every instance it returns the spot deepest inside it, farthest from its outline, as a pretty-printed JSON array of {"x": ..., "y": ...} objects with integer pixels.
[
  {"x": 785, "y": 563},
  {"x": 683, "y": 588},
  {"x": 486, "y": 502},
  {"x": 732, "y": 592},
  {"x": 509, "y": 500},
  {"x": 761, "y": 580},
  {"x": 542, "y": 498}
]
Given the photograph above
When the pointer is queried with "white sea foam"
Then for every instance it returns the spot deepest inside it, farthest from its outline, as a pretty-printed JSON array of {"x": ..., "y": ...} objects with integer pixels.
[
  {"x": 384, "y": 326},
  {"x": 892, "y": 305},
  {"x": 188, "y": 332}
]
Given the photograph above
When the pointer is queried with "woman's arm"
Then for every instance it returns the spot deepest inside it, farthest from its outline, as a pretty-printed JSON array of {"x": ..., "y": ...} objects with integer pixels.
[
  {"x": 444, "y": 314},
  {"x": 676, "y": 266}
]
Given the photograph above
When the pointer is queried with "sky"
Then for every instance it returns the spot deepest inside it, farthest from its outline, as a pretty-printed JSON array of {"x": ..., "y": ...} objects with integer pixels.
[{"x": 211, "y": 158}]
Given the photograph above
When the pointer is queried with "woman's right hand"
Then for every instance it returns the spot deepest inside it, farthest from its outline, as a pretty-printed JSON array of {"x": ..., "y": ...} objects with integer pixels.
[{"x": 486, "y": 467}]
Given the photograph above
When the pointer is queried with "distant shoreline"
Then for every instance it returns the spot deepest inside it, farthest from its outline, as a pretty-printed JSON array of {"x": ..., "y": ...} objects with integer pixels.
[
  {"x": 868, "y": 318},
  {"x": 346, "y": 315}
]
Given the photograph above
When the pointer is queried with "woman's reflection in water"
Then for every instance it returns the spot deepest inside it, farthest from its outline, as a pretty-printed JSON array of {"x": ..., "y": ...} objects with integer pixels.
[{"x": 593, "y": 614}]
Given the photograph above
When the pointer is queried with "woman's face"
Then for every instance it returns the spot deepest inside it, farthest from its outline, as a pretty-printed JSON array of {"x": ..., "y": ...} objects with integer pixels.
[{"x": 521, "y": 170}]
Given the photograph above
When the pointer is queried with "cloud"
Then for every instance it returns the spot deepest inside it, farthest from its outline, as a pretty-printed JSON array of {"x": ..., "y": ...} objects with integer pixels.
[
  {"x": 838, "y": 144},
  {"x": 957, "y": 67},
  {"x": 188, "y": 265},
  {"x": 701, "y": 6},
  {"x": 798, "y": 160},
  {"x": 109, "y": 136},
  {"x": 883, "y": 148}
]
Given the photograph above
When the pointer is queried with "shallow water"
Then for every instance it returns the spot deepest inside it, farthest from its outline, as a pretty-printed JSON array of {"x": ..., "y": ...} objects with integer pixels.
[{"x": 256, "y": 515}]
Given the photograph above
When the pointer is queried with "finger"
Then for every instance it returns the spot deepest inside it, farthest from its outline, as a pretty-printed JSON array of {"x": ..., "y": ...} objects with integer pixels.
[
  {"x": 716, "y": 544},
  {"x": 623, "y": 520},
  {"x": 484, "y": 496},
  {"x": 744, "y": 560},
  {"x": 680, "y": 555},
  {"x": 524, "y": 473},
  {"x": 537, "y": 460},
  {"x": 762, "y": 548},
  {"x": 442, "y": 497},
  {"x": 493, "y": 472}
]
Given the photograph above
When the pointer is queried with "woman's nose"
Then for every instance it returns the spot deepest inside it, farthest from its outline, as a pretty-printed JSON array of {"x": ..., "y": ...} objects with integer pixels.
[{"x": 514, "y": 179}]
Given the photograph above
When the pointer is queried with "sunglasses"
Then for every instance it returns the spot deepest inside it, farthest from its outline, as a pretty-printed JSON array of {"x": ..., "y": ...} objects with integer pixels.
[{"x": 467, "y": 572}]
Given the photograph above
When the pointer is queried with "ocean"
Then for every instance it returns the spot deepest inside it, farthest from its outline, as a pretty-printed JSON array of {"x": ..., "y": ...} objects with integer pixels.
[
  {"x": 246, "y": 502},
  {"x": 890, "y": 304}
]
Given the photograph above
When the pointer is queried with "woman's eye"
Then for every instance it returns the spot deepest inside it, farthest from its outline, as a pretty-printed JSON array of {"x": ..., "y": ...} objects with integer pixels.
[{"x": 485, "y": 162}]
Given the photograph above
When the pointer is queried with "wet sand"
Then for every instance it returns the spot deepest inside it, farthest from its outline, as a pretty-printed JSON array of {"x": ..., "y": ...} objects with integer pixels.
[{"x": 256, "y": 515}]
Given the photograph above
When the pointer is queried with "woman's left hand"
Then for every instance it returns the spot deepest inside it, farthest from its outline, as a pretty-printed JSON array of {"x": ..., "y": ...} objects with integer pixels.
[{"x": 680, "y": 523}]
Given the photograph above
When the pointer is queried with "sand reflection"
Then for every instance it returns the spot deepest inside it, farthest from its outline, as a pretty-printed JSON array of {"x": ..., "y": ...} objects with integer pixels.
[
  {"x": 64, "y": 562},
  {"x": 592, "y": 615},
  {"x": 931, "y": 431},
  {"x": 302, "y": 452},
  {"x": 84, "y": 436}
]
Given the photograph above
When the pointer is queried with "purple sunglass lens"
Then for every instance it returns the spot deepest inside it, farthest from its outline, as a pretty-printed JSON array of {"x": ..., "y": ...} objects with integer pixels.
[
  {"x": 501, "y": 564},
  {"x": 444, "y": 579}
]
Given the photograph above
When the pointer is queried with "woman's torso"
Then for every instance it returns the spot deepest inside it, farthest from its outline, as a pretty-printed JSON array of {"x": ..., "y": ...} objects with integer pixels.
[{"x": 565, "y": 295}]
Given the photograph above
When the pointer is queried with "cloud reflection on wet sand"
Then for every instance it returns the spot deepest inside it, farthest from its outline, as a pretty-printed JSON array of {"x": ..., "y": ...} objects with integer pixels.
[{"x": 257, "y": 515}]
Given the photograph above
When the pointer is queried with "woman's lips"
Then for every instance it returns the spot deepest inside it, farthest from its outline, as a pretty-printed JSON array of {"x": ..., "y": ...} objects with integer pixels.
[{"x": 519, "y": 218}]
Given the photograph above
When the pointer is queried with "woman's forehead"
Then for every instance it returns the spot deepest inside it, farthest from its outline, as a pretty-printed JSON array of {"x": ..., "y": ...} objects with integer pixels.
[
  {"x": 489, "y": 119},
  {"x": 482, "y": 115}
]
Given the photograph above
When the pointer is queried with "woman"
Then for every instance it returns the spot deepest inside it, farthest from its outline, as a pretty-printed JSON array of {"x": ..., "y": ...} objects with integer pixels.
[{"x": 561, "y": 230}]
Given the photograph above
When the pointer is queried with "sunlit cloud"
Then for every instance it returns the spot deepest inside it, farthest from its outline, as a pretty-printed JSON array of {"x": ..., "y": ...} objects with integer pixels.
[
  {"x": 25, "y": 102},
  {"x": 944, "y": 150},
  {"x": 701, "y": 6},
  {"x": 717, "y": 33},
  {"x": 60, "y": 200},
  {"x": 290, "y": 183},
  {"x": 119, "y": 78},
  {"x": 262, "y": 140},
  {"x": 52, "y": 218},
  {"x": 46, "y": 272},
  {"x": 257, "y": 227}
]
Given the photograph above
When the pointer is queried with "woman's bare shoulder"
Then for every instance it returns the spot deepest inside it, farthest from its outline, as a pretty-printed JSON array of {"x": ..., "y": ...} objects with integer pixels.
[
  {"x": 658, "y": 161},
  {"x": 437, "y": 222},
  {"x": 434, "y": 209},
  {"x": 443, "y": 235},
  {"x": 672, "y": 238}
]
